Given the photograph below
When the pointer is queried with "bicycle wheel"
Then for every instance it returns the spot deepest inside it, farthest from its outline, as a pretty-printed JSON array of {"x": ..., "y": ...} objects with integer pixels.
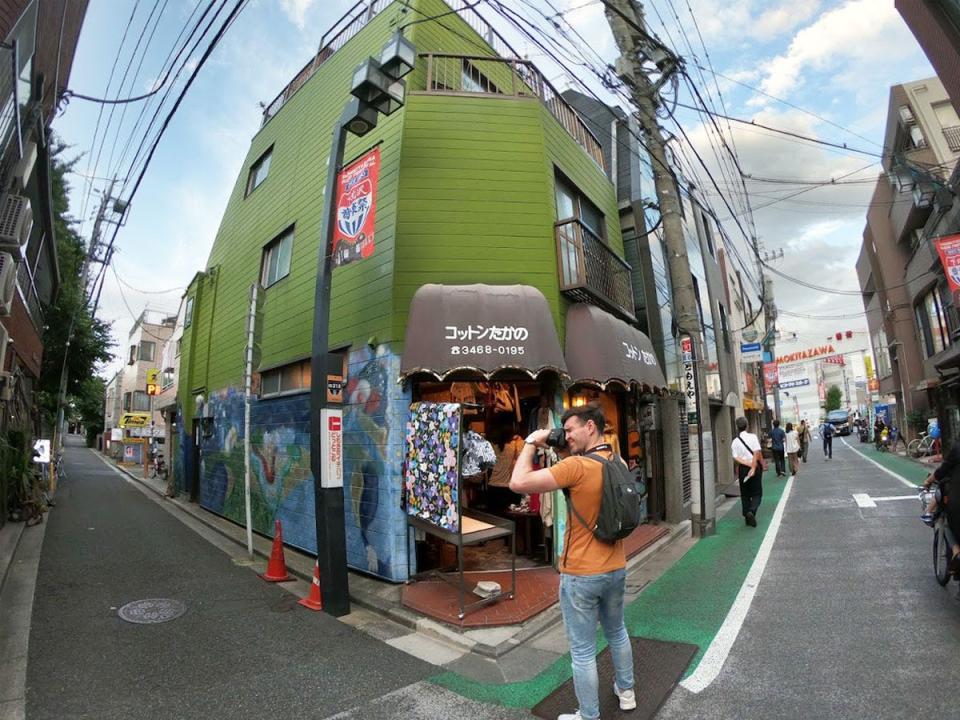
[
  {"x": 941, "y": 555},
  {"x": 913, "y": 449}
]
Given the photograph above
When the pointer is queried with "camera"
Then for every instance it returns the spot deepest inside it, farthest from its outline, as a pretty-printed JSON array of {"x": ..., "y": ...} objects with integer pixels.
[{"x": 557, "y": 438}]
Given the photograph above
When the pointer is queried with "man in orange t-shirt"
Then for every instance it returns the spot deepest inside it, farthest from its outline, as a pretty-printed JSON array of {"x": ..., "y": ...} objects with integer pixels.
[{"x": 593, "y": 573}]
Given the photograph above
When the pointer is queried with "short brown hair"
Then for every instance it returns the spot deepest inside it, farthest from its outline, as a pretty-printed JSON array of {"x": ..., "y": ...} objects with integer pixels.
[{"x": 591, "y": 411}]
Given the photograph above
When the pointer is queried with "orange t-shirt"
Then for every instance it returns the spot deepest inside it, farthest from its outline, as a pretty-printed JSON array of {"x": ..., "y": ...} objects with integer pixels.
[{"x": 583, "y": 554}]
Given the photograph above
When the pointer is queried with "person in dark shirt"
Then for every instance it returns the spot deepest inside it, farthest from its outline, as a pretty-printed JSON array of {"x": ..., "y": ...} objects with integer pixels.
[
  {"x": 777, "y": 438},
  {"x": 827, "y": 431},
  {"x": 948, "y": 475}
]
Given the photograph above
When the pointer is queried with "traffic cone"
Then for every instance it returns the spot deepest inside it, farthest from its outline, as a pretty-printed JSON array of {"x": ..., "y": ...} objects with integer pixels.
[
  {"x": 314, "y": 601},
  {"x": 277, "y": 567}
]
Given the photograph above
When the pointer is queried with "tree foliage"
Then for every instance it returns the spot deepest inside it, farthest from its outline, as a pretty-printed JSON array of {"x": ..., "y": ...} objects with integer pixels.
[
  {"x": 834, "y": 398},
  {"x": 89, "y": 345}
]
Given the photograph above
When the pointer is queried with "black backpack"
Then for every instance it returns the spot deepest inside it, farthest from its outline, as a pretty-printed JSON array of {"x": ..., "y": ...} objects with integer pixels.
[{"x": 619, "y": 502}]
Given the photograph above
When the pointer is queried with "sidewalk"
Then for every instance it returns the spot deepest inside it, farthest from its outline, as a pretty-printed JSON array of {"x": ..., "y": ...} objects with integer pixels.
[{"x": 487, "y": 655}]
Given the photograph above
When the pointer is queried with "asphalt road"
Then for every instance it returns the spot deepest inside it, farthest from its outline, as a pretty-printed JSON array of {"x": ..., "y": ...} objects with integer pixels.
[
  {"x": 242, "y": 650},
  {"x": 847, "y": 621}
]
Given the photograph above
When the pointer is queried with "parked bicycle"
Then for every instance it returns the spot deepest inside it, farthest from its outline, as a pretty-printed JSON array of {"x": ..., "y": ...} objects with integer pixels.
[
  {"x": 923, "y": 446},
  {"x": 158, "y": 467}
]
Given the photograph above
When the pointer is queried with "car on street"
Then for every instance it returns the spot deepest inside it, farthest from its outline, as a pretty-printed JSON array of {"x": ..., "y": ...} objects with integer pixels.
[{"x": 840, "y": 419}]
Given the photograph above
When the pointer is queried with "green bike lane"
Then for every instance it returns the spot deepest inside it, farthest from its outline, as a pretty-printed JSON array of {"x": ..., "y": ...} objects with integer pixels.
[{"x": 687, "y": 603}]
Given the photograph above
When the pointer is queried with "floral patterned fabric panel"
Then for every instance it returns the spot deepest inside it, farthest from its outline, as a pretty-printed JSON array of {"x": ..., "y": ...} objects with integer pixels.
[{"x": 433, "y": 464}]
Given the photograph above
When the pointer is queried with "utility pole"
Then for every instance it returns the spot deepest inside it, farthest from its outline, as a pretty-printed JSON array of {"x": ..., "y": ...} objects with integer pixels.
[
  {"x": 637, "y": 47},
  {"x": 84, "y": 277}
]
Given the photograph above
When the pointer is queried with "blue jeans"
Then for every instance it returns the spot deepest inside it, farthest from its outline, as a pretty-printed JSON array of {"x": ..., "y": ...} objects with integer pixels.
[{"x": 583, "y": 600}]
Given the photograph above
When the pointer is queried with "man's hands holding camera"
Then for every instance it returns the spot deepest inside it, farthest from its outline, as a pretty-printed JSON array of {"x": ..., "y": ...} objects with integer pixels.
[{"x": 538, "y": 438}]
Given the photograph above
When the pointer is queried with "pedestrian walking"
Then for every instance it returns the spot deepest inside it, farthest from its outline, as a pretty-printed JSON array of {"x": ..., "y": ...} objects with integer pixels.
[
  {"x": 805, "y": 439},
  {"x": 748, "y": 457},
  {"x": 777, "y": 438},
  {"x": 792, "y": 447},
  {"x": 592, "y": 572},
  {"x": 827, "y": 431}
]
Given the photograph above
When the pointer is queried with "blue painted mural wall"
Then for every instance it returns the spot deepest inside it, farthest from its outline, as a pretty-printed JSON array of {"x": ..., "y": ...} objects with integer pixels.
[{"x": 374, "y": 419}]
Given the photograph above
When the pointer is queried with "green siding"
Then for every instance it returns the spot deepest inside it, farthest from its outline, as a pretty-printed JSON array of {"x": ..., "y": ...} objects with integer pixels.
[{"x": 465, "y": 195}]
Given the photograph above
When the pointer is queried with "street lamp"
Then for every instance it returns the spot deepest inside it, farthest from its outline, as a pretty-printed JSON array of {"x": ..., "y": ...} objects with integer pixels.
[{"x": 377, "y": 88}]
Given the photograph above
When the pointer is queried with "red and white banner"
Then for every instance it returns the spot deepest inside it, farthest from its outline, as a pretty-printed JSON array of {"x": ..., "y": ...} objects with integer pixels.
[
  {"x": 771, "y": 374},
  {"x": 835, "y": 360},
  {"x": 949, "y": 249},
  {"x": 356, "y": 209}
]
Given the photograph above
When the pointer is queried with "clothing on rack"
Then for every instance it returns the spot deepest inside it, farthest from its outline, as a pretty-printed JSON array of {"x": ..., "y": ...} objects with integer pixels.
[
  {"x": 478, "y": 454},
  {"x": 505, "y": 462}
]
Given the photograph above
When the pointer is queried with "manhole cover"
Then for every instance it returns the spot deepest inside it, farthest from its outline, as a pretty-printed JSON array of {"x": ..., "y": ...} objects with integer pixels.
[{"x": 154, "y": 610}]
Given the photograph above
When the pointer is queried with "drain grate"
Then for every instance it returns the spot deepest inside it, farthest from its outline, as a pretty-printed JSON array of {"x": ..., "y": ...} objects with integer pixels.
[{"x": 152, "y": 611}]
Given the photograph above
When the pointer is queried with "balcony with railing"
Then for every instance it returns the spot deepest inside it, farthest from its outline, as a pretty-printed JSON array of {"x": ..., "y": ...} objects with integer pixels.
[
  {"x": 511, "y": 75},
  {"x": 506, "y": 77},
  {"x": 952, "y": 136},
  {"x": 591, "y": 272}
]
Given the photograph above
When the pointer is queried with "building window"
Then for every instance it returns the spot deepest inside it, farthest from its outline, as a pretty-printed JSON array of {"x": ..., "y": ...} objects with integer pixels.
[
  {"x": 147, "y": 350},
  {"x": 724, "y": 328},
  {"x": 573, "y": 205},
  {"x": 259, "y": 170},
  {"x": 127, "y": 401},
  {"x": 292, "y": 378},
  {"x": 141, "y": 401},
  {"x": 276, "y": 259},
  {"x": 881, "y": 353},
  {"x": 932, "y": 323},
  {"x": 178, "y": 348},
  {"x": 708, "y": 234},
  {"x": 133, "y": 355},
  {"x": 168, "y": 376},
  {"x": 188, "y": 313}
]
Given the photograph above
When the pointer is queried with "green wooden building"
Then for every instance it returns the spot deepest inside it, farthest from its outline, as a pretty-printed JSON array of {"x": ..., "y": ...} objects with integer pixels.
[{"x": 486, "y": 176}]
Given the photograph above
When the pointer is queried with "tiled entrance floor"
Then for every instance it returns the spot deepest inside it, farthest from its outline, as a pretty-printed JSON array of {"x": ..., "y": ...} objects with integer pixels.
[{"x": 537, "y": 590}]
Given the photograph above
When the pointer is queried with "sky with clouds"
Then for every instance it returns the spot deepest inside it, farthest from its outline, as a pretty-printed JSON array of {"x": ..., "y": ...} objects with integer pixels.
[{"x": 832, "y": 61}]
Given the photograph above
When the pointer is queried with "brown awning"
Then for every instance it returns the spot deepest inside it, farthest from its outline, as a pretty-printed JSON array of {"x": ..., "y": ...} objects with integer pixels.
[
  {"x": 481, "y": 328},
  {"x": 602, "y": 349}
]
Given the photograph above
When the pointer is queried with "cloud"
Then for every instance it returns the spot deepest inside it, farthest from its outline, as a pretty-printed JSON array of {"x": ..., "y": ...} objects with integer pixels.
[
  {"x": 296, "y": 11},
  {"x": 759, "y": 20},
  {"x": 858, "y": 31}
]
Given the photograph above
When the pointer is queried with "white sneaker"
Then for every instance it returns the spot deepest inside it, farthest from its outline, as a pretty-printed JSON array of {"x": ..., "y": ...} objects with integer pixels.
[
  {"x": 628, "y": 698},
  {"x": 570, "y": 716}
]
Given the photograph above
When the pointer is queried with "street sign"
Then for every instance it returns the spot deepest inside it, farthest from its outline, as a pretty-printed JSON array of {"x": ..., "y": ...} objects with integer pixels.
[
  {"x": 331, "y": 447},
  {"x": 794, "y": 383},
  {"x": 334, "y": 388},
  {"x": 153, "y": 389},
  {"x": 751, "y": 352},
  {"x": 134, "y": 420},
  {"x": 153, "y": 376}
]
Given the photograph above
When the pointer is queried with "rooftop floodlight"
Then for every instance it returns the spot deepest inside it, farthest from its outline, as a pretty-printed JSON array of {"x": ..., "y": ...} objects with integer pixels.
[
  {"x": 392, "y": 99},
  {"x": 369, "y": 82},
  {"x": 398, "y": 56},
  {"x": 359, "y": 117}
]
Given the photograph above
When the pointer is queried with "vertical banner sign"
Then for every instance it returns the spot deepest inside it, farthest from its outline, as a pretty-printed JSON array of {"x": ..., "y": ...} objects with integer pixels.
[
  {"x": 331, "y": 447},
  {"x": 356, "y": 209},
  {"x": 949, "y": 250},
  {"x": 689, "y": 379},
  {"x": 771, "y": 374}
]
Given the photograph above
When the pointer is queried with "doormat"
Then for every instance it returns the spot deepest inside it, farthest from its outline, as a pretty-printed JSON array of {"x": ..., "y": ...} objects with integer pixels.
[{"x": 657, "y": 666}]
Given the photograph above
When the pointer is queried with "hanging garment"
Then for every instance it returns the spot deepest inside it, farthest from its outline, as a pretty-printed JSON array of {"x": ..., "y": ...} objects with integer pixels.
[
  {"x": 463, "y": 392},
  {"x": 505, "y": 462},
  {"x": 478, "y": 454}
]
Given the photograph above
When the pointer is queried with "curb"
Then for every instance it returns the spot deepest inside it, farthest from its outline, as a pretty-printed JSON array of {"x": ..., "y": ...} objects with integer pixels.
[{"x": 384, "y": 606}]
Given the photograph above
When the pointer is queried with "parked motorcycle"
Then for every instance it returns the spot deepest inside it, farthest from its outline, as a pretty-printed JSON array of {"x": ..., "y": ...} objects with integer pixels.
[
  {"x": 864, "y": 434},
  {"x": 159, "y": 468}
]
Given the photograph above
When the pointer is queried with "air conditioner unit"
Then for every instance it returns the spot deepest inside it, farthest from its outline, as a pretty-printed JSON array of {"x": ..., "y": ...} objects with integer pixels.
[
  {"x": 16, "y": 222},
  {"x": 8, "y": 282},
  {"x": 24, "y": 167}
]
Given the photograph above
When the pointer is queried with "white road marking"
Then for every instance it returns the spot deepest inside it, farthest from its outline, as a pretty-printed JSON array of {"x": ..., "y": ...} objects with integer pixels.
[
  {"x": 719, "y": 649},
  {"x": 896, "y": 497},
  {"x": 863, "y": 500},
  {"x": 888, "y": 471}
]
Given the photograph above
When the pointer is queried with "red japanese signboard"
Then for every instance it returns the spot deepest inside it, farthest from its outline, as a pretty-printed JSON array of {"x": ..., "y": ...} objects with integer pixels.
[
  {"x": 356, "y": 209},
  {"x": 949, "y": 249},
  {"x": 771, "y": 374}
]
